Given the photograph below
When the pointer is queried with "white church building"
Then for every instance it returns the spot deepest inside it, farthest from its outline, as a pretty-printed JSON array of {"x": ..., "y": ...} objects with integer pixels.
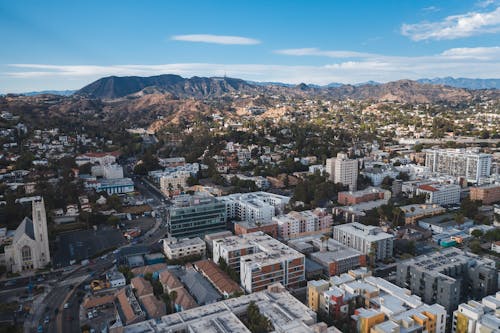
[{"x": 30, "y": 244}]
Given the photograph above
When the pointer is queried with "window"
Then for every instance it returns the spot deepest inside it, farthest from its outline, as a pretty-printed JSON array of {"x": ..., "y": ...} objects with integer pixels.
[{"x": 26, "y": 253}]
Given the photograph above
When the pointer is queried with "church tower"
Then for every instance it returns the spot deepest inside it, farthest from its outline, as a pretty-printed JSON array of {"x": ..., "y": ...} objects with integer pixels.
[{"x": 40, "y": 230}]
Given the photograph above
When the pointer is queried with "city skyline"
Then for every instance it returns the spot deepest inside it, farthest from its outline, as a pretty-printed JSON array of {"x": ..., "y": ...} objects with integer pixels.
[{"x": 66, "y": 46}]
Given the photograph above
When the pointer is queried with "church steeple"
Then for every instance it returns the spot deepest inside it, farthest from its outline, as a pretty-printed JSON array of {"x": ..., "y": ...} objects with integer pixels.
[{"x": 40, "y": 229}]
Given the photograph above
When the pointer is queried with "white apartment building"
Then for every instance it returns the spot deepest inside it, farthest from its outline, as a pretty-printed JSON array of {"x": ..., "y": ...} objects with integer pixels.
[
  {"x": 254, "y": 206},
  {"x": 261, "y": 260},
  {"x": 343, "y": 170},
  {"x": 365, "y": 239},
  {"x": 466, "y": 163},
  {"x": 175, "y": 249},
  {"x": 440, "y": 194},
  {"x": 297, "y": 224}
]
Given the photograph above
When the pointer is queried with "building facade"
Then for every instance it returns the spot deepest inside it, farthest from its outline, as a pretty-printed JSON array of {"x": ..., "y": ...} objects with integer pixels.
[
  {"x": 468, "y": 164},
  {"x": 195, "y": 215},
  {"x": 488, "y": 194},
  {"x": 30, "y": 245},
  {"x": 343, "y": 170},
  {"x": 366, "y": 239},
  {"x": 440, "y": 194}
]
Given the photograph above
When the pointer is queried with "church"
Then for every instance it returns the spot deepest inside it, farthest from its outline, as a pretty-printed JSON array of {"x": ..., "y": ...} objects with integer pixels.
[{"x": 30, "y": 244}]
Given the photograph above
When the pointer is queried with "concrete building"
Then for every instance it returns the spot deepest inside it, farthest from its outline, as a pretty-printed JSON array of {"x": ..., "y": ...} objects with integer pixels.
[
  {"x": 196, "y": 215},
  {"x": 244, "y": 227},
  {"x": 478, "y": 317},
  {"x": 337, "y": 258},
  {"x": 284, "y": 311},
  {"x": 116, "y": 279},
  {"x": 299, "y": 224},
  {"x": 415, "y": 212},
  {"x": 356, "y": 212},
  {"x": 369, "y": 194},
  {"x": 488, "y": 194},
  {"x": 187, "y": 247},
  {"x": 343, "y": 170},
  {"x": 173, "y": 181},
  {"x": 468, "y": 164},
  {"x": 440, "y": 194},
  {"x": 261, "y": 260},
  {"x": 448, "y": 276},
  {"x": 365, "y": 239},
  {"x": 115, "y": 186},
  {"x": 254, "y": 206},
  {"x": 384, "y": 305}
]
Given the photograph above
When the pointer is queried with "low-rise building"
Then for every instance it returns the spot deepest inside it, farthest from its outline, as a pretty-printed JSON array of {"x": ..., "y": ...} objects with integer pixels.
[
  {"x": 246, "y": 227},
  {"x": 284, "y": 311},
  {"x": 219, "y": 279},
  {"x": 478, "y": 317},
  {"x": 441, "y": 194},
  {"x": 488, "y": 194},
  {"x": 116, "y": 279},
  {"x": 369, "y": 194},
  {"x": 366, "y": 239},
  {"x": 261, "y": 260},
  {"x": 299, "y": 224},
  {"x": 413, "y": 213},
  {"x": 187, "y": 247}
]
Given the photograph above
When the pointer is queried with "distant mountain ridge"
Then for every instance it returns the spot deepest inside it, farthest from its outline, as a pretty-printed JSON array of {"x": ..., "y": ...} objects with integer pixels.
[
  {"x": 50, "y": 92},
  {"x": 114, "y": 87},
  {"x": 464, "y": 82}
]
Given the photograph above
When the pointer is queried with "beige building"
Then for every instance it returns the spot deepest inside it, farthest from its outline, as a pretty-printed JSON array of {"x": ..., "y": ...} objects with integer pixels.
[
  {"x": 176, "y": 249},
  {"x": 343, "y": 170}
]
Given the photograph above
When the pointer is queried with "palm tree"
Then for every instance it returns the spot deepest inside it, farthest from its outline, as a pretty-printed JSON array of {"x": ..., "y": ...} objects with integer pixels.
[
  {"x": 170, "y": 189},
  {"x": 373, "y": 254}
]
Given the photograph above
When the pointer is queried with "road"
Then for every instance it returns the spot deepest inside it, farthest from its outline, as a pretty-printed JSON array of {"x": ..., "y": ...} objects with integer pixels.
[{"x": 64, "y": 286}]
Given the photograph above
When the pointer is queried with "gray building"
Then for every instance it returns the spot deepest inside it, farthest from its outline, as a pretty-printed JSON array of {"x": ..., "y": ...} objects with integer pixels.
[
  {"x": 196, "y": 215},
  {"x": 448, "y": 277}
]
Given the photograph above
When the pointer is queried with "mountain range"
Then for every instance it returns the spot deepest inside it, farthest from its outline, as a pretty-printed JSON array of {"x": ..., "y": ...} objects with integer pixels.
[{"x": 113, "y": 87}]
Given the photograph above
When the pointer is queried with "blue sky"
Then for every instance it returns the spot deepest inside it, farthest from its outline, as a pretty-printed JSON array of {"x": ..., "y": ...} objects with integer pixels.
[{"x": 67, "y": 44}]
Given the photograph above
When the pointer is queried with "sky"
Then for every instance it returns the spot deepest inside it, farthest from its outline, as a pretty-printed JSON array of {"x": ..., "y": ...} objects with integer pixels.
[{"x": 58, "y": 45}]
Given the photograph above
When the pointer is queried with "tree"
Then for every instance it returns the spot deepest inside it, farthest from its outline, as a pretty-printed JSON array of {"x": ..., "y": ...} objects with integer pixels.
[
  {"x": 173, "y": 297},
  {"x": 114, "y": 202},
  {"x": 255, "y": 321},
  {"x": 477, "y": 233},
  {"x": 475, "y": 246}
]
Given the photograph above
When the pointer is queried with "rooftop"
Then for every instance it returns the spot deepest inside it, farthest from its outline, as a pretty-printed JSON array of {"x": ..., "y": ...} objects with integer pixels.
[{"x": 370, "y": 233}]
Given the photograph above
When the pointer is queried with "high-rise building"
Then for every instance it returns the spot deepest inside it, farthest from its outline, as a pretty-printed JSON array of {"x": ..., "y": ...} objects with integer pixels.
[
  {"x": 195, "y": 215},
  {"x": 468, "y": 164},
  {"x": 343, "y": 170},
  {"x": 366, "y": 239}
]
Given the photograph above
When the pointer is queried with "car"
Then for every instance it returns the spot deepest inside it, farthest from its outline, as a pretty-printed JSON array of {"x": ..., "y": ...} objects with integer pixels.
[
  {"x": 66, "y": 305},
  {"x": 39, "y": 329},
  {"x": 47, "y": 320},
  {"x": 90, "y": 315}
]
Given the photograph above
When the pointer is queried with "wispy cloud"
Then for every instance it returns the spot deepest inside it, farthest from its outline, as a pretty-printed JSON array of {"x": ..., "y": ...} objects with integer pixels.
[
  {"x": 455, "y": 26},
  {"x": 480, "y": 62},
  {"x": 322, "y": 53},
  {"x": 216, "y": 39},
  {"x": 431, "y": 9}
]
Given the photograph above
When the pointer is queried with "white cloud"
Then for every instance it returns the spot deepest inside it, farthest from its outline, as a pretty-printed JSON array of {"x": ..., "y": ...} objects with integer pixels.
[
  {"x": 318, "y": 52},
  {"x": 431, "y": 9},
  {"x": 456, "y": 26},
  {"x": 217, "y": 39},
  {"x": 480, "y": 62}
]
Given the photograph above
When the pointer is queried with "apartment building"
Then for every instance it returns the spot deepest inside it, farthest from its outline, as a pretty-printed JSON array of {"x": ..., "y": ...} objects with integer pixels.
[
  {"x": 343, "y": 170},
  {"x": 187, "y": 247},
  {"x": 488, "y": 194},
  {"x": 337, "y": 258},
  {"x": 478, "y": 317},
  {"x": 385, "y": 305},
  {"x": 368, "y": 194},
  {"x": 173, "y": 181},
  {"x": 254, "y": 206},
  {"x": 284, "y": 311},
  {"x": 413, "y": 213},
  {"x": 365, "y": 239},
  {"x": 261, "y": 260},
  {"x": 448, "y": 276},
  {"x": 466, "y": 163},
  {"x": 299, "y": 224},
  {"x": 244, "y": 227},
  {"x": 195, "y": 215},
  {"x": 440, "y": 194}
]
